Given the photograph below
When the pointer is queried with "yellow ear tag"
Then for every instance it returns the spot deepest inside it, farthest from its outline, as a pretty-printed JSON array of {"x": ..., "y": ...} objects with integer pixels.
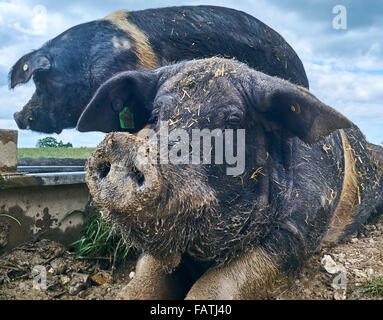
[{"x": 126, "y": 119}]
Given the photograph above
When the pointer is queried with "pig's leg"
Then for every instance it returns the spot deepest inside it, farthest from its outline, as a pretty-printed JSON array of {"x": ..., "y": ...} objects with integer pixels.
[
  {"x": 151, "y": 282},
  {"x": 246, "y": 277}
]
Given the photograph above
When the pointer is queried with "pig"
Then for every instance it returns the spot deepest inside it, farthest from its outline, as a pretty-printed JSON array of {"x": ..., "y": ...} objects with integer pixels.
[
  {"x": 310, "y": 178},
  {"x": 68, "y": 69}
]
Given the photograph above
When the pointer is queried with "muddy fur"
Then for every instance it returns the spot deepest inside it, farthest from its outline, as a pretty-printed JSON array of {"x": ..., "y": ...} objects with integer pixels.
[
  {"x": 300, "y": 170},
  {"x": 182, "y": 214},
  {"x": 151, "y": 282},
  {"x": 250, "y": 276}
]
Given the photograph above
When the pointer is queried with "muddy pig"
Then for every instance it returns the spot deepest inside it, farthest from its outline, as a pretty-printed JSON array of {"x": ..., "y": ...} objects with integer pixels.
[
  {"x": 68, "y": 69},
  {"x": 308, "y": 178}
]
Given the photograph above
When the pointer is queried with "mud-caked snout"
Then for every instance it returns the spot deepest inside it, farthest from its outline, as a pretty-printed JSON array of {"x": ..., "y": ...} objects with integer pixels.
[{"x": 122, "y": 177}]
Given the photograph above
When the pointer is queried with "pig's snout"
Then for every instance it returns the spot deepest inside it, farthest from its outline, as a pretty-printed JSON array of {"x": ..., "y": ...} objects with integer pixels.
[
  {"x": 128, "y": 171},
  {"x": 22, "y": 121},
  {"x": 120, "y": 179}
]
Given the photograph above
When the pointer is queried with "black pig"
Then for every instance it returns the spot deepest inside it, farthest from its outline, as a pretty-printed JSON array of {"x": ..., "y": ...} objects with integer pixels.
[
  {"x": 309, "y": 178},
  {"x": 68, "y": 69}
]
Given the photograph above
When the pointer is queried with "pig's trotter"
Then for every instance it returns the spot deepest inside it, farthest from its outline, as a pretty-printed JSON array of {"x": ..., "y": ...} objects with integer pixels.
[
  {"x": 151, "y": 282},
  {"x": 249, "y": 276}
]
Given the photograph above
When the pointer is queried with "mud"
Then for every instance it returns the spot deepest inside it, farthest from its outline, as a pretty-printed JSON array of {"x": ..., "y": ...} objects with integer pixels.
[
  {"x": 362, "y": 258},
  {"x": 22, "y": 269},
  {"x": 67, "y": 279}
]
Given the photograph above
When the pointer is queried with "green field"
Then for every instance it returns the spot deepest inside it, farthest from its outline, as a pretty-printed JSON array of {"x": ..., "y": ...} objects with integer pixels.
[{"x": 77, "y": 153}]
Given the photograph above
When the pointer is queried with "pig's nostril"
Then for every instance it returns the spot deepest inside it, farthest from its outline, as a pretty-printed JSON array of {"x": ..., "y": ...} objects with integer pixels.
[
  {"x": 103, "y": 170},
  {"x": 139, "y": 177}
]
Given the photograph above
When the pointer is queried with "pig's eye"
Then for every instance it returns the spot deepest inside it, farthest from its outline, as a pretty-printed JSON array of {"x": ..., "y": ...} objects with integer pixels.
[{"x": 117, "y": 105}]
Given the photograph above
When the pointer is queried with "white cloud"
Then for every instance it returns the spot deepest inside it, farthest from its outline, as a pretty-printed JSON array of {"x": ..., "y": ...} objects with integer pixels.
[
  {"x": 23, "y": 18},
  {"x": 15, "y": 99},
  {"x": 358, "y": 95},
  {"x": 38, "y": 22},
  {"x": 337, "y": 85}
]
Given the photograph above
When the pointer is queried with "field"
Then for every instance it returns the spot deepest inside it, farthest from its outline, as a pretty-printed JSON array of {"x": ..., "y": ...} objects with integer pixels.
[{"x": 76, "y": 153}]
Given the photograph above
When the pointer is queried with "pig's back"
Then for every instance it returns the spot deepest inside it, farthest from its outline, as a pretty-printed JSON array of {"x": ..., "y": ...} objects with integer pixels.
[{"x": 189, "y": 32}]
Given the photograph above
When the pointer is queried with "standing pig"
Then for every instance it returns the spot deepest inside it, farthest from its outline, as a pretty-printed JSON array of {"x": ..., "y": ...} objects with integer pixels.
[
  {"x": 68, "y": 69},
  {"x": 309, "y": 177}
]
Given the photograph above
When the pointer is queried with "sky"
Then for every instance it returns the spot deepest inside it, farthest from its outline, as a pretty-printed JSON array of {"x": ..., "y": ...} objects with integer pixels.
[{"x": 342, "y": 51}]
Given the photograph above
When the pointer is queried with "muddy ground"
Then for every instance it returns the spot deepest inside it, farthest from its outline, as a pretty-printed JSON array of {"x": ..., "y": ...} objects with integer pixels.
[{"x": 352, "y": 263}]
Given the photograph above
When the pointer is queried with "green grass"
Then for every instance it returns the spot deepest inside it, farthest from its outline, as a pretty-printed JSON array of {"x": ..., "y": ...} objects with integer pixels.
[
  {"x": 374, "y": 286},
  {"x": 79, "y": 153},
  {"x": 100, "y": 244}
]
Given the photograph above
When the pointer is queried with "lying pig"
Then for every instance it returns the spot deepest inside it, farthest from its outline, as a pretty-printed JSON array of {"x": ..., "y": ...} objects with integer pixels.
[
  {"x": 309, "y": 178},
  {"x": 68, "y": 69}
]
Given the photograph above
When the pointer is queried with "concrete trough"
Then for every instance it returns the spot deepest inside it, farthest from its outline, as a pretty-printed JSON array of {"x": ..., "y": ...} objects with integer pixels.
[{"x": 34, "y": 201}]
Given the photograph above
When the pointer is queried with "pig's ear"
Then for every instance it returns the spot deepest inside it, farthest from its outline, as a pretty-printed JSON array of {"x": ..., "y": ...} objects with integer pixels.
[
  {"x": 23, "y": 69},
  {"x": 123, "y": 103},
  {"x": 296, "y": 110}
]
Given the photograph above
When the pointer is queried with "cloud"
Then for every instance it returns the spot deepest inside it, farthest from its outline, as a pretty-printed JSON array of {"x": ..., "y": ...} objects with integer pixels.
[
  {"x": 15, "y": 99},
  {"x": 22, "y": 18},
  {"x": 340, "y": 84},
  {"x": 38, "y": 23},
  {"x": 358, "y": 95}
]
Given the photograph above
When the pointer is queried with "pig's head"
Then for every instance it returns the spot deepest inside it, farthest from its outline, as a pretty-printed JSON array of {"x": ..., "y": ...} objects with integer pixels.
[
  {"x": 59, "y": 91},
  {"x": 66, "y": 72},
  {"x": 200, "y": 208}
]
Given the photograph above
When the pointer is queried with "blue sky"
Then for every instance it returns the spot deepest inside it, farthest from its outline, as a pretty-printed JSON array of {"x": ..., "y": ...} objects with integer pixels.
[{"x": 344, "y": 67}]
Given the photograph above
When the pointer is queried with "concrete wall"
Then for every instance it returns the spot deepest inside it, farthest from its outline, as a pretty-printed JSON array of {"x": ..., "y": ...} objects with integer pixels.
[
  {"x": 8, "y": 150},
  {"x": 34, "y": 204},
  {"x": 28, "y": 212}
]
